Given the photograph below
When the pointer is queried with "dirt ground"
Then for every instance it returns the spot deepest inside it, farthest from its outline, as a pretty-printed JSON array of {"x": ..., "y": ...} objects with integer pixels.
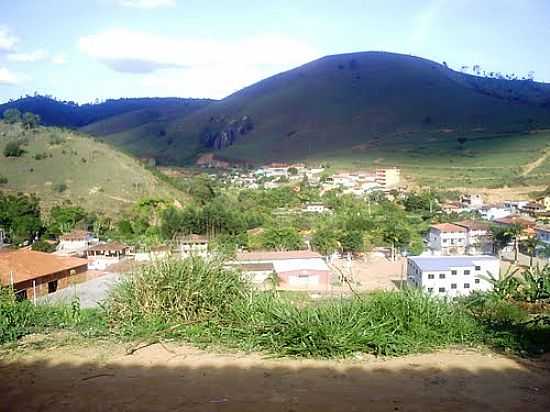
[
  {"x": 165, "y": 377},
  {"x": 373, "y": 273}
]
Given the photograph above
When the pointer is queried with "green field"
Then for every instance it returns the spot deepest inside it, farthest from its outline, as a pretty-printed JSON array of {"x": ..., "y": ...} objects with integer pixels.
[{"x": 93, "y": 175}]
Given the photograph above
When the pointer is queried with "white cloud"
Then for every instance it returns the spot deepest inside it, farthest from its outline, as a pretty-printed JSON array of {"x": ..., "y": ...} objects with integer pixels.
[
  {"x": 58, "y": 59},
  {"x": 147, "y": 4},
  {"x": 7, "y": 77},
  {"x": 139, "y": 52},
  {"x": 7, "y": 40},
  {"x": 31, "y": 57},
  {"x": 195, "y": 67}
]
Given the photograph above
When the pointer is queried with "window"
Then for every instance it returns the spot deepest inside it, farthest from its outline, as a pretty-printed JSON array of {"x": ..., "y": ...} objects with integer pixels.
[
  {"x": 444, "y": 240},
  {"x": 21, "y": 295},
  {"x": 431, "y": 276},
  {"x": 442, "y": 276},
  {"x": 467, "y": 272},
  {"x": 453, "y": 272},
  {"x": 477, "y": 281},
  {"x": 453, "y": 285},
  {"x": 441, "y": 290},
  {"x": 430, "y": 290},
  {"x": 478, "y": 267},
  {"x": 466, "y": 286},
  {"x": 52, "y": 286}
]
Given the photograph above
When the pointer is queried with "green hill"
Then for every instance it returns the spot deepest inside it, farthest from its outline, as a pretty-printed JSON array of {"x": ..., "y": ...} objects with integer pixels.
[{"x": 60, "y": 165}]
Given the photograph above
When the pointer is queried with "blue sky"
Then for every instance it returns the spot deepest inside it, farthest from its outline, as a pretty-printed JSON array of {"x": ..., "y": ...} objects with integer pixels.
[{"x": 86, "y": 49}]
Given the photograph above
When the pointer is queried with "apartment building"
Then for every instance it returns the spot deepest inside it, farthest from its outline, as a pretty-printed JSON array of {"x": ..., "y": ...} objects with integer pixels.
[{"x": 447, "y": 239}]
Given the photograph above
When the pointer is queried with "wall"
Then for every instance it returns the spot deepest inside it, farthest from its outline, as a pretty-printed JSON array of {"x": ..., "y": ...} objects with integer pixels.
[{"x": 64, "y": 279}]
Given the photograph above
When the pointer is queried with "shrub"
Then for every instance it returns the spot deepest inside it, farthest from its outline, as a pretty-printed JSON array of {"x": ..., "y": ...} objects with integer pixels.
[
  {"x": 13, "y": 149},
  {"x": 60, "y": 187},
  {"x": 43, "y": 246},
  {"x": 3, "y": 180}
]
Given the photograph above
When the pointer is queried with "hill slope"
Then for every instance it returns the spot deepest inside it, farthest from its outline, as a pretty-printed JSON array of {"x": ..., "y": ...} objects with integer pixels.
[
  {"x": 60, "y": 165},
  {"x": 353, "y": 103},
  {"x": 69, "y": 114}
]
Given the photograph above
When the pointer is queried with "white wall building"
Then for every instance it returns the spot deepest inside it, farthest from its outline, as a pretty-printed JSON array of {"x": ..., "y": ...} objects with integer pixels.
[
  {"x": 452, "y": 275},
  {"x": 75, "y": 243},
  {"x": 315, "y": 208},
  {"x": 447, "y": 239},
  {"x": 478, "y": 237},
  {"x": 192, "y": 245}
]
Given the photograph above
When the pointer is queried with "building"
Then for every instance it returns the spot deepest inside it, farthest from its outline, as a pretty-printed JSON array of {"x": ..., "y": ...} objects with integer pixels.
[
  {"x": 388, "y": 178},
  {"x": 543, "y": 234},
  {"x": 472, "y": 201},
  {"x": 294, "y": 270},
  {"x": 154, "y": 253},
  {"x": 447, "y": 239},
  {"x": 2, "y": 235},
  {"x": 452, "y": 275},
  {"x": 75, "y": 243},
  {"x": 34, "y": 274},
  {"x": 528, "y": 224},
  {"x": 478, "y": 237},
  {"x": 545, "y": 202},
  {"x": 533, "y": 209},
  {"x": 192, "y": 245},
  {"x": 103, "y": 255},
  {"x": 514, "y": 206},
  {"x": 494, "y": 211}
]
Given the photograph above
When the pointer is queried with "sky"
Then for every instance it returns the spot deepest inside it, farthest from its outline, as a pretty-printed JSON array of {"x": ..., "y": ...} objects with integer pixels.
[{"x": 83, "y": 50}]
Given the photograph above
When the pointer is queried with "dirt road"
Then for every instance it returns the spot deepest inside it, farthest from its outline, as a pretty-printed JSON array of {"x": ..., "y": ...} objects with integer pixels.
[{"x": 179, "y": 378}]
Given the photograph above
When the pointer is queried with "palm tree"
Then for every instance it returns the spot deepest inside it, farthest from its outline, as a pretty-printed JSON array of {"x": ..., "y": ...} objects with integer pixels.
[
  {"x": 531, "y": 245},
  {"x": 514, "y": 232}
]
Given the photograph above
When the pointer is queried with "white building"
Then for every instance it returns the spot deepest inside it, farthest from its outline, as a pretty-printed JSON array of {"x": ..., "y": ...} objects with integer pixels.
[
  {"x": 472, "y": 201},
  {"x": 452, "y": 275},
  {"x": 388, "y": 178},
  {"x": 447, "y": 239},
  {"x": 192, "y": 245},
  {"x": 75, "y": 243},
  {"x": 492, "y": 212},
  {"x": 315, "y": 208}
]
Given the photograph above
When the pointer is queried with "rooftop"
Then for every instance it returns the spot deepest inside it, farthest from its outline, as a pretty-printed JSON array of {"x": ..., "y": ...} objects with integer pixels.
[
  {"x": 473, "y": 224},
  {"x": 515, "y": 220},
  {"x": 269, "y": 256},
  {"x": 193, "y": 238},
  {"x": 110, "y": 246},
  {"x": 76, "y": 235},
  {"x": 448, "y": 228},
  {"x": 430, "y": 263},
  {"x": 27, "y": 264}
]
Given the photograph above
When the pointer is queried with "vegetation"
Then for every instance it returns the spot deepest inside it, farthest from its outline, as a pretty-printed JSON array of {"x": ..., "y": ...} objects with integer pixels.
[
  {"x": 107, "y": 183},
  {"x": 13, "y": 149}
]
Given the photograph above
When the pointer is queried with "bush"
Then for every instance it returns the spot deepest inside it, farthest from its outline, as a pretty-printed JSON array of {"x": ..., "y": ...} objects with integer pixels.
[
  {"x": 13, "y": 149},
  {"x": 43, "y": 246},
  {"x": 3, "y": 180},
  {"x": 60, "y": 187}
]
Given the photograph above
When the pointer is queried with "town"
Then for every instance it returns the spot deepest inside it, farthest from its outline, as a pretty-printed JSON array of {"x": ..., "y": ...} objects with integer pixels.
[{"x": 459, "y": 243}]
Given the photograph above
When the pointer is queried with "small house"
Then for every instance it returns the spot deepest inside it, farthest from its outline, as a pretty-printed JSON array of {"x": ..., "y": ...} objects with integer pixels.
[
  {"x": 192, "y": 245},
  {"x": 75, "y": 243},
  {"x": 447, "y": 239},
  {"x": 102, "y": 255},
  {"x": 34, "y": 274}
]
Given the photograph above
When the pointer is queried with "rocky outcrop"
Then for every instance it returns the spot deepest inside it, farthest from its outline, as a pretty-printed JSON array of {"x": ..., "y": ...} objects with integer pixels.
[{"x": 221, "y": 132}]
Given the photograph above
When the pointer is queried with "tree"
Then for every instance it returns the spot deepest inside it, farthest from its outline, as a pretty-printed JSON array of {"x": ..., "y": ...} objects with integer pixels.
[
  {"x": 30, "y": 120},
  {"x": 292, "y": 171},
  {"x": 281, "y": 238},
  {"x": 325, "y": 240},
  {"x": 461, "y": 141},
  {"x": 515, "y": 231},
  {"x": 13, "y": 149},
  {"x": 20, "y": 216},
  {"x": 352, "y": 241},
  {"x": 397, "y": 236},
  {"x": 501, "y": 238},
  {"x": 63, "y": 219},
  {"x": 12, "y": 116}
]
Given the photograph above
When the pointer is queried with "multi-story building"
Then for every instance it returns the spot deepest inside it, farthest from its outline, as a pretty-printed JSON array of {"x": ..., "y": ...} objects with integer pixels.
[
  {"x": 388, "y": 178},
  {"x": 478, "y": 237},
  {"x": 472, "y": 201},
  {"x": 452, "y": 275},
  {"x": 447, "y": 239}
]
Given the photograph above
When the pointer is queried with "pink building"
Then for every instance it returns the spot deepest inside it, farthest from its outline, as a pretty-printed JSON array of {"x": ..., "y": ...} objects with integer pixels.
[{"x": 295, "y": 270}]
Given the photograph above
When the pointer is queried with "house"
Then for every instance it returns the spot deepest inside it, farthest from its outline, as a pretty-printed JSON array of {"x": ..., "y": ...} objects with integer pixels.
[
  {"x": 388, "y": 178},
  {"x": 192, "y": 245},
  {"x": 75, "y": 243},
  {"x": 478, "y": 237},
  {"x": 514, "y": 206},
  {"x": 452, "y": 275},
  {"x": 545, "y": 201},
  {"x": 261, "y": 274},
  {"x": 528, "y": 224},
  {"x": 472, "y": 201},
  {"x": 494, "y": 211},
  {"x": 34, "y": 274},
  {"x": 533, "y": 209},
  {"x": 452, "y": 207},
  {"x": 274, "y": 170},
  {"x": 154, "y": 253},
  {"x": 446, "y": 239},
  {"x": 102, "y": 255},
  {"x": 295, "y": 270}
]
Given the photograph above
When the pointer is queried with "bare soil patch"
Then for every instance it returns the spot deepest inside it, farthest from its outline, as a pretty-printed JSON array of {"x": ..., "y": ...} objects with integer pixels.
[{"x": 163, "y": 377}]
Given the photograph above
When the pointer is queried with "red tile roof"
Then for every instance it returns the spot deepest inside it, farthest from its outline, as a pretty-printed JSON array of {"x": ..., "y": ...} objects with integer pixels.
[
  {"x": 266, "y": 255},
  {"x": 111, "y": 246},
  {"x": 448, "y": 228},
  {"x": 473, "y": 224},
  {"x": 27, "y": 264},
  {"x": 516, "y": 220},
  {"x": 76, "y": 235}
]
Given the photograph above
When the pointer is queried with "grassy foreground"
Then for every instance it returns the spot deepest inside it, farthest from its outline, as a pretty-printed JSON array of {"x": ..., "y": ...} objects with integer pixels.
[{"x": 205, "y": 304}]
